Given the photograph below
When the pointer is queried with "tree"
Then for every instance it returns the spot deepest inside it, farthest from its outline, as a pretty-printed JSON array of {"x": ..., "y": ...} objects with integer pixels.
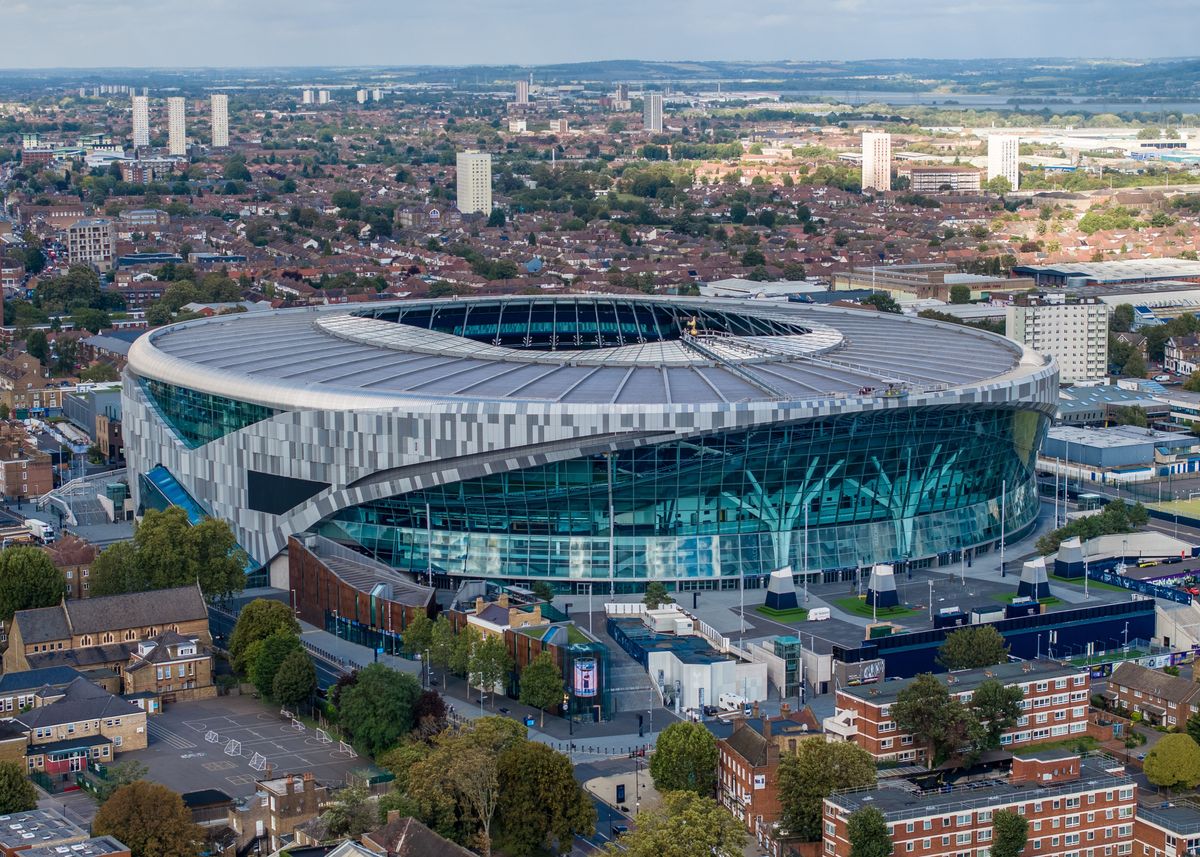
[
  {"x": 973, "y": 647},
  {"x": 465, "y": 643},
  {"x": 17, "y": 793},
  {"x": 400, "y": 759},
  {"x": 1131, "y": 415},
  {"x": 960, "y": 294},
  {"x": 1121, "y": 320},
  {"x": 350, "y": 814},
  {"x": 295, "y": 680},
  {"x": 541, "y": 684},
  {"x": 99, "y": 372},
  {"x": 753, "y": 256},
  {"x": 258, "y": 620},
  {"x": 999, "y": 185},
  {"x": 36, "y": 346},
  {"x": 1174, "y": 762},
  {"x": 685, "y": 759},
  {"x": 441, "y": 643},
  {"x": 268, "y": 656},
  {"x": 150, "y": 819},
  {"x": 28, "y": 579},
  {"x": 1192, "y": 384},
  {"x": 377, "y": 710},
  {"x": 925, "y": 709},
  {"x": 995, "y": 708},
  {"x": 496, "y": 218},
  {"x": 490, "y": 662},
  {"x": 429, "y": 714},
  {"x": 120, "y": 774},
  {"x": 1009, "y": 832},
  {"x": 418, "y": 634},
  {"x": 656, "y": 595},
  {"x": 882, "y": 301},
  {"x": 1193, "y": 727},
  {"x": 683, "y": 825},
  {"x": 1134, "y": 365},
  {"x": 543, "y": 590},
  {"x": 811, "y": 774},
  {"x": 867, "y": 830},
  {"x": 541, "y": 803}
]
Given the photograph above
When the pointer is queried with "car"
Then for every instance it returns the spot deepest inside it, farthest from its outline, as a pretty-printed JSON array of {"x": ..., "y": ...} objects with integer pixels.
[
  {"x": 618, "y": 829},
  {"x": 710, "y": 711},
  {"x": 1141, "y": 757}
]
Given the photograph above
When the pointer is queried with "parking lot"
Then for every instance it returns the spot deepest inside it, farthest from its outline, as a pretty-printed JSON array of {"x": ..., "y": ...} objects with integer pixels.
[{"x": 190, "y": 747}]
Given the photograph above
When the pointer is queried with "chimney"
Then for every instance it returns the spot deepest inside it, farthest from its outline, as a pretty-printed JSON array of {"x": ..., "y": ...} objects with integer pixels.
[
  {"x": 291, "y": 784},
  {"x": 393, "y": 815},
  {"x": 767, "y": 729},
  {"x": 479, "y": 604},
  {"x": 785, "y": 708},
  {"x": 502, "y": 599},
  {"x": 754, "y": 709}
]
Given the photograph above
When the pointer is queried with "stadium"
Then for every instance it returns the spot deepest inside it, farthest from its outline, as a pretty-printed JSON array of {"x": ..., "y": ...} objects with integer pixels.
[{"x": 592, "y": 439}]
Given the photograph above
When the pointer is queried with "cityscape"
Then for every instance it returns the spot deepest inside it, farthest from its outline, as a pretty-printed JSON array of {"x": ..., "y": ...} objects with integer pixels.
[{"x": 585, "y": 432}]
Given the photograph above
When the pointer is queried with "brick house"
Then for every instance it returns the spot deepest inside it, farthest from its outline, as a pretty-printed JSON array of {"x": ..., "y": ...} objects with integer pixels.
[
  {"x": 1083, "y": 806},
  {"x": 279, "y": 805},
  {"x": 1165, "y": 829},
  {"x": 172, "y": 666},
  {"x": 82, "y": 722},
  {"x": 1055, "y": 706},
  {"x": 73, "y": 556},
  {"x": 1161, "y": 699}
]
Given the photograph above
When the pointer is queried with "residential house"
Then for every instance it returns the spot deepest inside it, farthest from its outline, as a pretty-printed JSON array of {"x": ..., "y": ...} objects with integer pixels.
[
  {"x": 172, "y": 666},
  {"x": 1163, "y": 700},
  {"x": 404, "y": 836},
  {"x": 1181, "y": 354},
  {"x": 73, "y": 556},
  {"x": 278, "y": 806}
]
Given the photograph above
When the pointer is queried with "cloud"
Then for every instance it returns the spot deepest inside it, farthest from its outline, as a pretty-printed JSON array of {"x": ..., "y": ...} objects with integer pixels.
[{"x": 52, "y": 33}]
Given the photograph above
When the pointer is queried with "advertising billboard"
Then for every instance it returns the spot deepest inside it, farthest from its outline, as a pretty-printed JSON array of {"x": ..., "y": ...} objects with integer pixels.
[{"x": 584, "y": 683}]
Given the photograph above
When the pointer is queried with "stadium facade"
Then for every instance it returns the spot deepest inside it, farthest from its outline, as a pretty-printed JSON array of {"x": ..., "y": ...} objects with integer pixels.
[{"x": 593, "y": 439}]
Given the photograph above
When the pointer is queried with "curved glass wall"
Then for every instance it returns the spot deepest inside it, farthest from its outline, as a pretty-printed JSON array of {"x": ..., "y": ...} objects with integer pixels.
[
  {"x": 879, "y": 487},
  {"x": 199, "y": 418}
]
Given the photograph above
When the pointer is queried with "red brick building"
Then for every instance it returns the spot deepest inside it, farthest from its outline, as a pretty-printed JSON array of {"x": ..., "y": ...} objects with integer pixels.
[
  {"x": 1161, "y": 699},
  {"x": 1055, "y": 707},
  {"x": 1076, "y": 807},
  {"x": 1166, "y": 830}
]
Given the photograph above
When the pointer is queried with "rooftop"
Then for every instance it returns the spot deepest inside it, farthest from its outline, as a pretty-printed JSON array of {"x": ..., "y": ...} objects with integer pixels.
[{"x": 885, "y": 693}]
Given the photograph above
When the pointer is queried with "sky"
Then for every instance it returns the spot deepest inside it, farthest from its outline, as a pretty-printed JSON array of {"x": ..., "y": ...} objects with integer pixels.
[{"x": 208, "y": 33}]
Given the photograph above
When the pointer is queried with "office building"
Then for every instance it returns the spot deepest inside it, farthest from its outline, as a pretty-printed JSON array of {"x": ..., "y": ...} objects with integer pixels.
[
  {"x": 1003, "y": 158},
  {"x": 1056, "y": 700},
  {"x": 176, "y": 126},
  {"x": 1075, "y": 805},
  {"x": 522, "y": 92},
  {"x": 306, "y": 97},
  {"x": 494, "y": 453},
  {"x": 1074, "y": 333},
  {"x": 652, "y": 112},
  {"x": 141, "y": 121},
  {"x": 876, "y": 161},
  {"x": 92, "y": 241},
  {"x": 474, "y": 182},
  {"x": 220, "y": 120}
]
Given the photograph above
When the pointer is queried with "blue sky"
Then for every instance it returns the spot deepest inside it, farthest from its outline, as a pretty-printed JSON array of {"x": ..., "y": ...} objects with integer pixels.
[{"x": 48, "y": 33}]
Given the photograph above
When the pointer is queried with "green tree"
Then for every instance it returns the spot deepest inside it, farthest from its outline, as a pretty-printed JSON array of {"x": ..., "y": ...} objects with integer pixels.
[
  {"x": 883, "y": 302},
  {"x": 867, "y": 830},
  {"x": 37, "y": 346},
  {"x": 151, "y": 820},
  {"x": 441, "y": 643},
  {"x": 960, "y": 294},
  {"x": 1174, "y": 762},
  {"x": 465, "y": 643},
  {"x": 1121, "y": 320},
  {"x": 496, "y": 218},
  {"x": 973, "y": 647},
  {"x": 1009, "y": 832},
  {"x": 656, "y": 595},
  {"x": 999, "y": 185},
  {"x": 295, "y": 680},
  {"x": 1134, "y": 365},
  {"x": 685, "y": 758},
  {"x": 683, "y": 825},
  {"x": 400, "y": 759},
  {"x": 816, "y": 770},
  {"x": 926, "y": 709},
  {"x": 542, "y": 806},
  {"x": 258, "y": 620},
  {"x": 1192, "y": 384},
  {"x": 121, "y": 774},
  {"x": 752, "y": 257},
  {"x": 28, "y": 579},
  {"x": 1131, "y": 415},
  {"x": 350, "y": 814},
  {"x": 418, "y": 635},
  {"x": 542, "y": 684},
  {"x": 377, "y": 710},
  {"x": 490, "y": 662},
  {"x": 1193, "y": 727},
  {"x": 268, "y": 656},
  {"x": 794, "y": 271},
  {"x": 543, "y": 590},
  {"x": 996, "y": 708},
  {"x": 99, "y": 372},
  {"x": 17, "y": 793}
]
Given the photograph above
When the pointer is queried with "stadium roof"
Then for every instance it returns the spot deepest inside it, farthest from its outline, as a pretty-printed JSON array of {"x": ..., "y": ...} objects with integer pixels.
[{"x": 575, "y": 350}]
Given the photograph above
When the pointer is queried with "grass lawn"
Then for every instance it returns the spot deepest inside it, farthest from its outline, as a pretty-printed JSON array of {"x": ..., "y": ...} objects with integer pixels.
[
  {"x": 1107, "y": 657},
  {"x": 1092, "y": 584},
  {"x": 795, "y": 614},
  {"x": 860, "y": 607},
  {"x": 1082, "y": 743},
  {"x": 1185, "y": 508},
  {"x": 1007, "y": 598}
]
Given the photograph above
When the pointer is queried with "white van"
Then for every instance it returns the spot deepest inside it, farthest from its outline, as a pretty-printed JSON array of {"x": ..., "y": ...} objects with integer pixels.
[
  {"x": 732, "y": 702},
  {"x": 818, "y": 614}
]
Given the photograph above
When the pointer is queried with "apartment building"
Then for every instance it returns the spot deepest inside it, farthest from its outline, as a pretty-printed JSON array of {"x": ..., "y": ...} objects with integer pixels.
[
  {"x": 1003, "y": 158},
  {"x": 876, "y": 161},
  {"x": 219, "y": 102},
  {"x": 1074, "y": 333},
  {"x": 474, "y": 182},
  {"x": 92, "y": 241},
  {"x": 522, "y": 92},
  {"x": 1055, "y": 706},
  {"x": 25, "y": 471},
  {"x": 1076, "y": 806},
  {"x": 924, "y": 178},
  {"x": 141, "y": 121},
  {"x": 176, "y": 126},
  {"x": 1163, "y": 829},
  {"x": 652, "y": 112},
  {"x": 1161, "y": 699}
]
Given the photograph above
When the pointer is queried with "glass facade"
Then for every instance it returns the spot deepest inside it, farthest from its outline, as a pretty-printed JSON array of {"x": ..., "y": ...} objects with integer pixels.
[
  {"x": 580, "y": 323},
  {"x": 199, "y": 418},
  {"x": 900, "y": 484}
]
